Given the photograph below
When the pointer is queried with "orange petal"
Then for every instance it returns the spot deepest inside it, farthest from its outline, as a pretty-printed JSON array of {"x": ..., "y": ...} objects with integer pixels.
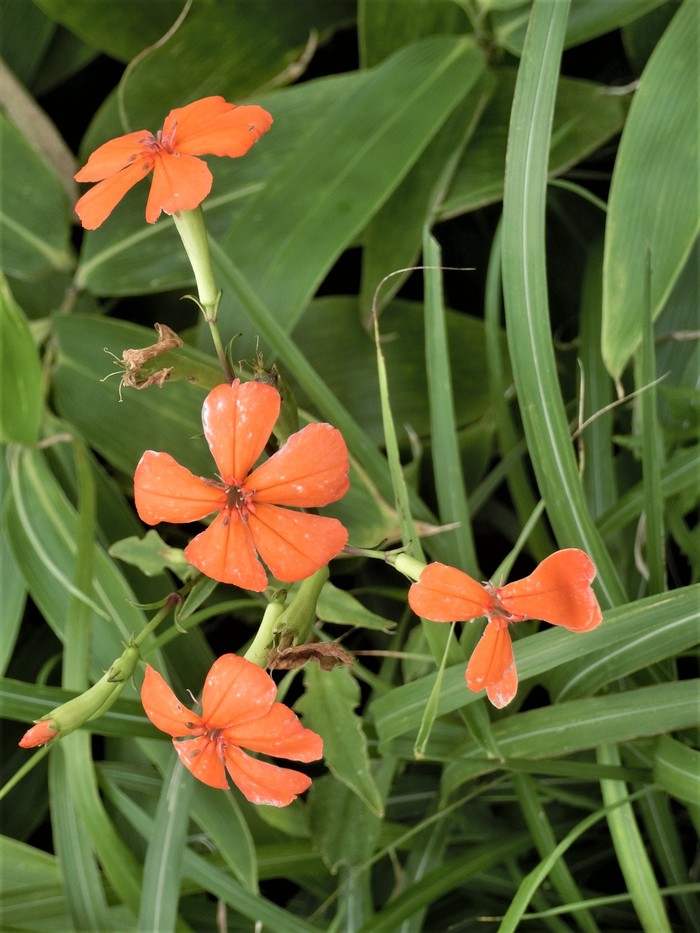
[
  {"x": 238, "y": 420},
  {"x": 295, "y": 544},
  {"x": 261, "y": 782},
  {"x": 164, "y": 491},
  {"x": 492, "y": 666},
  {"x": 445, "y": 594},
  {"x": 277, "y": 733},
  {"x": 164, "y": 709},
  {"x": 225, "y": 552},
  {"x": 309, "y": 470},
  {"x": 502, "y": 691},
  {"x": 557, "y": 591},
  {"x": 180, "y": 183},
  {"x": 201, "y": 757},
  {"x": 115, "y": 155},
  {"x": 97, "y": 204},
  {"x": 235, "y": 691},
  {"x": 39, "y": 734},
  {"x": 214, "y": 127}
]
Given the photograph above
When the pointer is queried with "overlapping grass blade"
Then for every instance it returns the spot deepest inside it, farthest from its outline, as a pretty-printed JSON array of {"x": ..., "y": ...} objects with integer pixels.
[{"x": 525, "y": 294}]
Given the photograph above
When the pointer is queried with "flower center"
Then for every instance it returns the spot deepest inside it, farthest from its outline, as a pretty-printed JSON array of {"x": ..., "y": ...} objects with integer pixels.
[
  {"x": 240, "y": 500},
  {"x": 498, "y": 615},
  {"x": 159, "y": 143}
]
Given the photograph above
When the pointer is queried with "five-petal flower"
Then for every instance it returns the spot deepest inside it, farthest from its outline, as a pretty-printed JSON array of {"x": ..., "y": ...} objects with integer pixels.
[
  {"x": 558, "y": 591},
  {"x": 181, "y": 181},
  {"x": 310, "y": 470},
  {"x": 238, "y": 711}
]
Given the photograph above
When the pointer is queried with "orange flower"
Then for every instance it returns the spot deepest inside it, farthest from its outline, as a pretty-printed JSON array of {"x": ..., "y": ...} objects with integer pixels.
[
  {"x": 238, "y": 709},
  {"x": 180, "y": 181},
  {"x": 310, "y": 470},
  {"x": 557, "y": 591}
]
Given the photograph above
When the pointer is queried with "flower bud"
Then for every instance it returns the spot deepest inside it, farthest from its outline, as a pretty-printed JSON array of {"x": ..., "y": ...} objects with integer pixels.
[{"x": 89, "y": 705}]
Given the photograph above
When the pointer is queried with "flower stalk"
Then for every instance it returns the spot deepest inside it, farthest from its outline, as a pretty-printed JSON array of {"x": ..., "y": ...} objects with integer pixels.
[{"x": 193, "y": 233}]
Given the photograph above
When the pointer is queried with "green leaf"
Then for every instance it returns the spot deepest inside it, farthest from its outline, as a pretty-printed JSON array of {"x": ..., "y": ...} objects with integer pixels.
[
  {"x": 340, "y": 607},
  {"x": 21, "y": 403},
  {"x": 387, "y": 25},
  {"x": 43, "y": 532},
  {"x": 654, "y": 190},
  {"x": 391, "y": 241},
  {"x": 446, "y": 878},
  {"x": 587, "y": 19},
  {"x": 163, "y": 864},
  {"x": 17, "y": 21},
  {"x": 150, "y": 554},
  {"x": 450, "y": 486},
  {"x": 328, "y": 707},
  {"x": 581, "y": 724},
  {"x": 34, "y": 213},
  {"x": 258, "y": 46},
  {"x": 291, "y": 232},
  {"x": 344, "y": 829},
  {"x": 14, "y": 592},
  {"x": 585, "y": 117},
  {"x": 677, "y": 769},
  {"x": 87, "y": 902},
  {"x": 121, "y": 30},
  {"x": 335, "y": 343},
  {"x": 525, "y": 290}
]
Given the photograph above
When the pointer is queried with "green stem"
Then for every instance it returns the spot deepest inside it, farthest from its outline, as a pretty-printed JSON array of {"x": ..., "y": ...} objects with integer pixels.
[
  {"x": 164, "y": 611},
  {"x": 190, "y": 225},
  {"x": 260, "y": 646}
]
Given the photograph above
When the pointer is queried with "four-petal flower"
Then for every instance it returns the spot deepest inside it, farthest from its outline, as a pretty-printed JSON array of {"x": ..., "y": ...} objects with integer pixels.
[
  {"x": 238, "y": 711},
  {"x": 558, "y": 591},
  {"x": 310, "y": 470},
  {"x": 181, "y": 181}
]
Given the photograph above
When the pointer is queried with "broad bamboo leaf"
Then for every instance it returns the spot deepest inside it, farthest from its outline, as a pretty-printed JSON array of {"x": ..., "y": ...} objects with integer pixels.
[
  {"x": 585, "y": 117},
  {"x": 21, "y": 403},
  {"x": 34, "y": 214},
  {"x": 587, "y": 19},
  {"x": 290, "y": 233}
]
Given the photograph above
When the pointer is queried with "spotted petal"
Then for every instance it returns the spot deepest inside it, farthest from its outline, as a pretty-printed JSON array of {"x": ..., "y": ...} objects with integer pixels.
[
  {"x": 95, "y": 206},
  {"x": 557, "y": 591},
  {"x": 295, "y": 544},
  {"x": 113, "y": 156},
  {"x": 263, "y": 783},
  {"x": 278, "y": 733},
  {"x": 212, "y": 126},
  {"x": 164, "y": 709},
  {"x": 445, "y": 594},
  {"x": 225, "y": 552},
  {"x": 492, "y": 666},
  {"x": 201, "y": 757},
  {"x": 164, "y": 491},
  {"x": 238, "y": 420},
  {"x": 235, "y": 692},
  {"x": 309, "y": 471},
  {"x": 180, "y": 183}
]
